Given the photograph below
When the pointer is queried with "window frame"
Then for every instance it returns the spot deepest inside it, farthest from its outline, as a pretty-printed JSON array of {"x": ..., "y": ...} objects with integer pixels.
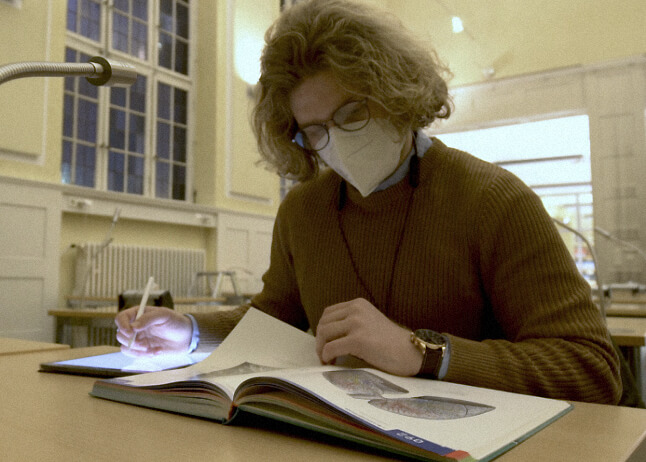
[{"x": 154, "y": 74}]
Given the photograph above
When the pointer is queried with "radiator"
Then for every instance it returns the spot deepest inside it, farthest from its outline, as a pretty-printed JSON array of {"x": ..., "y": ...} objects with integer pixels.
[{"x": 116, "y": 268}]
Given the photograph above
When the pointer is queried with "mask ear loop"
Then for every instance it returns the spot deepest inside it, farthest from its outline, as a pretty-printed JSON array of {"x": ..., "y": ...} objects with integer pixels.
[
  {"x": 343, "y": 195},
  {"x": 413, "y": 169}
]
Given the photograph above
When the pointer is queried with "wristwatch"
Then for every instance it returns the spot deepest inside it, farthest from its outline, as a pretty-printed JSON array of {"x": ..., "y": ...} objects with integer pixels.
[{"x": 432, "y": 346}]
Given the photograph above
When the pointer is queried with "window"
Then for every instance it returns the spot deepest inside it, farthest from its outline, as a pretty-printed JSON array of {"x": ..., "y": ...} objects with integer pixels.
[
  {"x": 132, "y": 140},
  {"x": 553, "y": 158}
]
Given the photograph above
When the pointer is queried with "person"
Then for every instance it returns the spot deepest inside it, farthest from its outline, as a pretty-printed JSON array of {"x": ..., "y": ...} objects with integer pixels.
[{"x": 416, "y": 258}]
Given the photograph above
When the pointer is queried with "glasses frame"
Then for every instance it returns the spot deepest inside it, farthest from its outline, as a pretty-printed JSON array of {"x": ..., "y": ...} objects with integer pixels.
[{"x": 301, "y": 139}]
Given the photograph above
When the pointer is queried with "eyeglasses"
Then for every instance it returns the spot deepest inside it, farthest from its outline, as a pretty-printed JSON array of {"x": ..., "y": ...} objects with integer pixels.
[{"x": 350, "y": 117}]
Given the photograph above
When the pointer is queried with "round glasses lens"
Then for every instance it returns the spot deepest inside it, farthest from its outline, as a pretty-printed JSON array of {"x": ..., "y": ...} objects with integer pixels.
[
  {"x": 315, "y": 137},
  {"x": 353, "y": 116}
]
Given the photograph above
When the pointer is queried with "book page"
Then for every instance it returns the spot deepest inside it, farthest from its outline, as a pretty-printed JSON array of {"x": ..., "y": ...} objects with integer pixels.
[
  {"x": 258, "y": 343},
  {"x": 442, "y": 417}
]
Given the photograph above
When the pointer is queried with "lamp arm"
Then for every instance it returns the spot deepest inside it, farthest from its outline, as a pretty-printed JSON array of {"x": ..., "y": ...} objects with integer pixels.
[
  {"x": 602, "y": 301},
  {"x": 621, "y": 242},
  {"x": 98, "y": 71}
]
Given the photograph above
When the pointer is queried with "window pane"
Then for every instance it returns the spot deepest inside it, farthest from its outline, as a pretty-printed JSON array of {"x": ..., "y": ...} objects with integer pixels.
[
  {"x": 118, "y": 96},
  {"x": 162, "y": 174},
  {"x": 138, "y": 95},
  {"x": 121, "y": 5},
  {"x": 116, "y": 170},
  {"x": 181, "y": 57},
  {"x": 165, "y": 50},
  {"x": 179, "y": 145},
  {"x": 166, "y": 15},
  {"x": 182, "y": 21},
  {"x": 117, "y": 129},
  {"x": 68, "y": 116},
  {"x": 139, "y": 40},
  {"x": 86, "y": 88},
  {"x": 66, "y": 163},
  {"x": 119, "y": 32},
  {"x": 72, "y": 14},
  {"x": 163, "y": 101},
  {"x": 87, "y": 120},
  {"x": 85, "y": 163},
  {"x": 180, "y": 106},
  {"x": 135, "y": 175},
  {"x": 163, "y": 140},
  {"x": 140, "y": 9},
  {"x": 136, "y": 136},
  {"x": 90, "y": 17},
  {"x": 179, "y": 182}
]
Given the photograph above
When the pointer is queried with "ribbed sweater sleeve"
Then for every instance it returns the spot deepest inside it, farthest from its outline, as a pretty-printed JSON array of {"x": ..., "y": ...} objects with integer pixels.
[{"x": 555, "y": 343}]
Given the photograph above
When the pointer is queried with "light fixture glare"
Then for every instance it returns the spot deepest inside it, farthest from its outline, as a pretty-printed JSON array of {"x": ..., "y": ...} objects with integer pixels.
[{"x": 457, "y": 24}]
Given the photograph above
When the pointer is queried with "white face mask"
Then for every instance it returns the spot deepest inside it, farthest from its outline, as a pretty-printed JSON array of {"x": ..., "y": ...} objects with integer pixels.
[{"x": 366, "y": 157}]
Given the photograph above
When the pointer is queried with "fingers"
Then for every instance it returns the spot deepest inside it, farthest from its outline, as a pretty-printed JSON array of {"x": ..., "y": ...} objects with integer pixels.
[
  {"x": 357, "y": 328},
  {"x": 327, "y": 333},
  {"x": 151, "y": 317},
  {"x": 124, "y": 318},
  {"x": 158, "y": 330},
  {"x": 338, "y": 329},
  {"x": 128, "y": 327}
]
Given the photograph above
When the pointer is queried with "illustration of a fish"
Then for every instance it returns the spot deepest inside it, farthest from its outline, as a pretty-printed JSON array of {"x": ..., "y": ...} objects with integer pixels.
[
  {"x": 431, "y": 407},
  {"x": 362, "y": 384}
]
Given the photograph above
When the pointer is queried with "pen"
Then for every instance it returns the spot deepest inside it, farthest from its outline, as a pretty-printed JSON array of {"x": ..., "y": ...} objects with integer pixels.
[{"x": 142, "y": 306}]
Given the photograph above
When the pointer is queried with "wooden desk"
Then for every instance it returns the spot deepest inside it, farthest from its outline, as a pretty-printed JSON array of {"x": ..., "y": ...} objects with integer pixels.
[
  {"x": 635, "y": 310},
  {"x": 10, "y": 346},
  {"x": 629, "y": 334},
  {"x": 51, "y": 417},
  {"x": 627, "y": 331}
]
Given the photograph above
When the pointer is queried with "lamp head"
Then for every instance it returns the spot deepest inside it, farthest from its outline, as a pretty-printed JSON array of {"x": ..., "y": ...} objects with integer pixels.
[{"x": 112, "y": 73}]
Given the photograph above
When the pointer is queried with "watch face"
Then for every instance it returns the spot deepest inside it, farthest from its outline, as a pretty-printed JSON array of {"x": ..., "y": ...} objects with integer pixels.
[{"x": 430, "y": 336}]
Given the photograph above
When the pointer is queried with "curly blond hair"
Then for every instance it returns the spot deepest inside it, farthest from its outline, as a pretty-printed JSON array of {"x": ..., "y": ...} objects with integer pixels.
[{"x": 368, "y": 51}]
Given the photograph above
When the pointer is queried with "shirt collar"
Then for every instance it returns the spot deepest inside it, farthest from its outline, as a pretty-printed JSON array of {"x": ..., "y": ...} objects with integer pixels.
[{"x": 423, "y": 143}]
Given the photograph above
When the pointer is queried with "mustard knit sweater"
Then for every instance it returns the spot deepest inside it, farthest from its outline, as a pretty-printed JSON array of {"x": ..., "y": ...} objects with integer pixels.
[{"x": 480, "y": 261}]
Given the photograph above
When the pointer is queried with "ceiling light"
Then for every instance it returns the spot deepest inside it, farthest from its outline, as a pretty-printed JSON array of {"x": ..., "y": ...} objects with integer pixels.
[{"x": 457, "y": 25}]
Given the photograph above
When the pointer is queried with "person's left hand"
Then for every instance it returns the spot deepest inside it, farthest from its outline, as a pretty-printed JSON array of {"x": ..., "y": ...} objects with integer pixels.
[{"x": 358, "y": 328}]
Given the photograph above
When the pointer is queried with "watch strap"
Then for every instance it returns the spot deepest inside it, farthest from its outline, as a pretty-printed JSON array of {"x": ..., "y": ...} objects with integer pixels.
[{"x": 433, "y": 349}]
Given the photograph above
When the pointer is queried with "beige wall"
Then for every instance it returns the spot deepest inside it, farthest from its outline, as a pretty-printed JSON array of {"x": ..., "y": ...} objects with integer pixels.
[{"x": 31, "y": 109}]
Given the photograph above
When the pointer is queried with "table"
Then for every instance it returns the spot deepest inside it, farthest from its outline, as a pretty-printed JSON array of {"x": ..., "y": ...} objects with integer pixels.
[
  {"x": 10, "y": 346},
  {"x": 634, "y": 310},
  {"x": 627, "y": 331},
  {"x": 629, "y": 334},
  {"x": 51, "y": 417}
]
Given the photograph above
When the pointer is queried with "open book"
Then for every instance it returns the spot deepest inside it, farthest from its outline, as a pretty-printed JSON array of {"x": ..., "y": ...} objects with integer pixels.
[{"x": 270, "y": 368}]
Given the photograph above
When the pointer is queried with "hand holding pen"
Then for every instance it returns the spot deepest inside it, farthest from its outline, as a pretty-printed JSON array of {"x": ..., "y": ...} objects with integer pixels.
[{"x": 152, "y": 330}]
